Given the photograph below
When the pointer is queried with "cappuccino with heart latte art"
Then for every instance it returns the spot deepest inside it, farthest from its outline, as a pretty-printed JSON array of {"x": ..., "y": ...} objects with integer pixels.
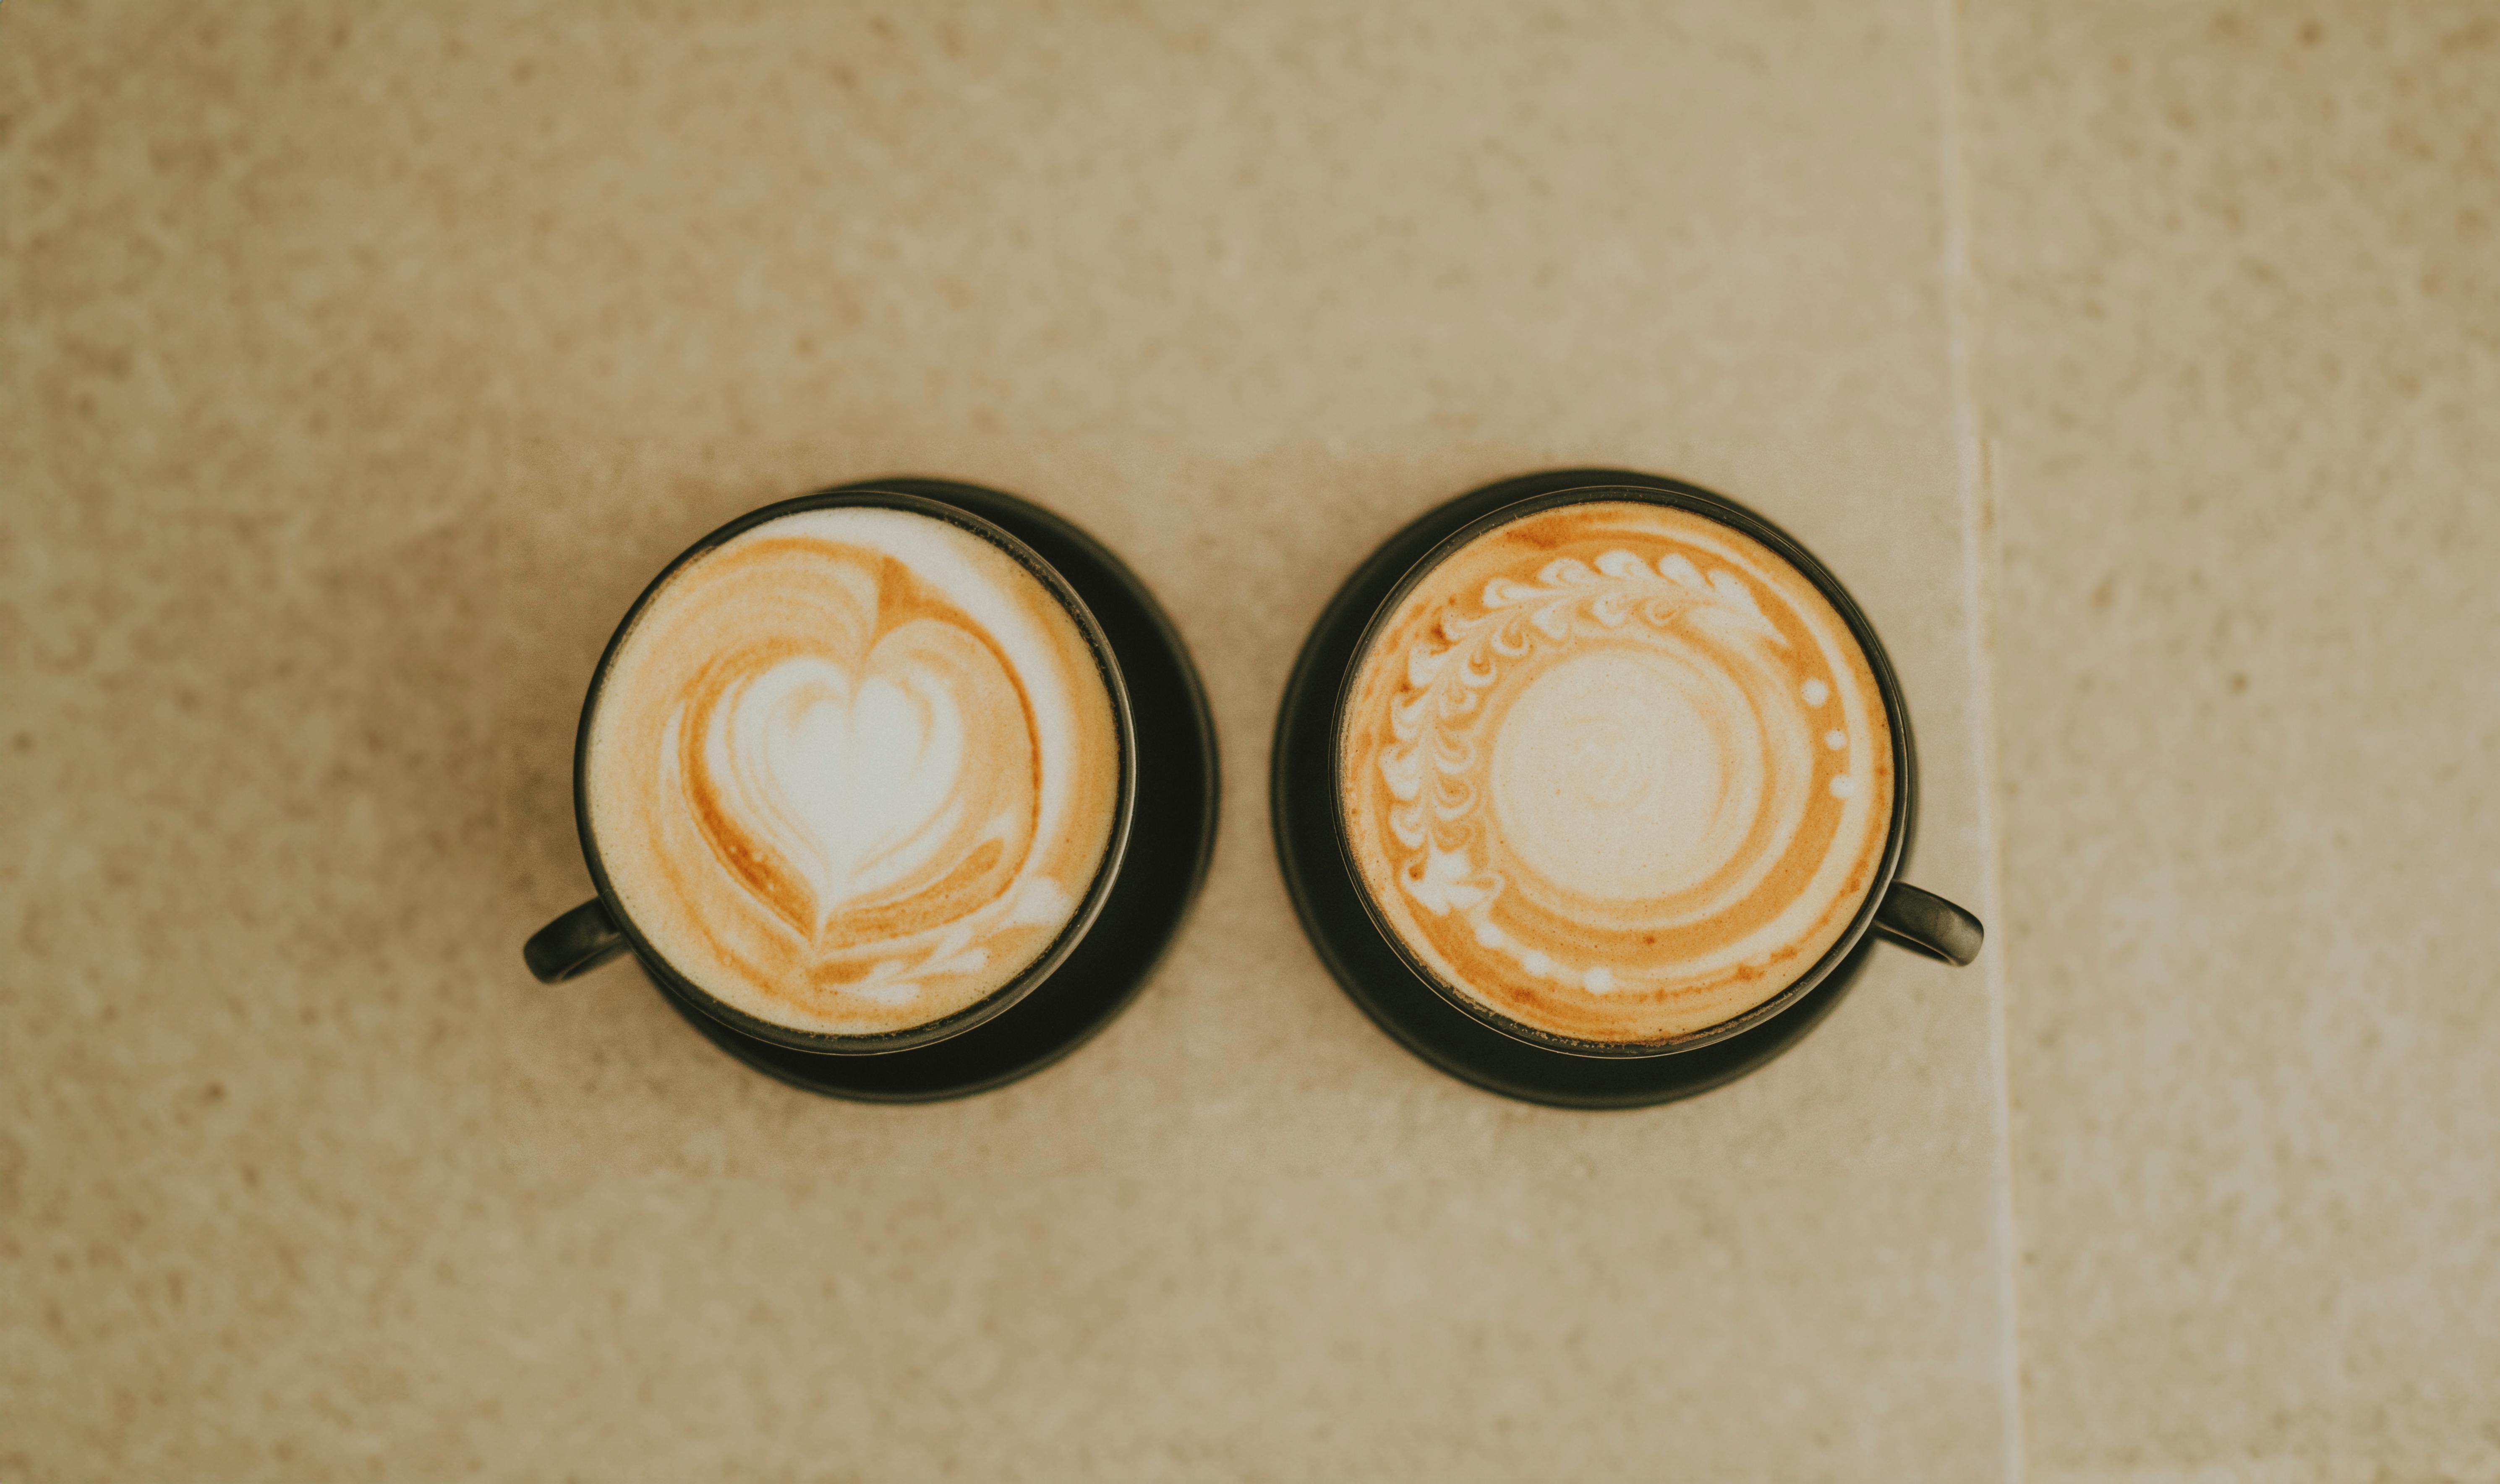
[
  {"x": 1615, "y": 771},
  {"x": 853, "y": 770}
]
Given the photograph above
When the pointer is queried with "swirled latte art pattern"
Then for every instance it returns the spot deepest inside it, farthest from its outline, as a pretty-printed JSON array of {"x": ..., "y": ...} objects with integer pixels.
[
  {"x": 852, "y": 771},
  {"x": 1616, "y": 772}
]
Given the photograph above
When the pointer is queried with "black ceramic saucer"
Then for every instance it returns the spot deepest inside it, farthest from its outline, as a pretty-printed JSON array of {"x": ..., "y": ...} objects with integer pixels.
[
  {"x": 1302, "y": 802},
  {"x": 1169, "y": 844}
]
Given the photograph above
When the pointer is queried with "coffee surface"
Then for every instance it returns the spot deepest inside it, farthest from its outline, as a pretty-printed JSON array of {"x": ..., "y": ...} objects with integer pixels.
[
  {"x": 853, "y": 770},
  {"x": 1615, "y": 771}
]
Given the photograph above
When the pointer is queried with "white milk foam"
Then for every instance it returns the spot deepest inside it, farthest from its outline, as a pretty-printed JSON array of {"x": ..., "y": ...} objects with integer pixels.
[
  {"x": 1616, "y": 771},
  {"x": 853, "y": 770}
]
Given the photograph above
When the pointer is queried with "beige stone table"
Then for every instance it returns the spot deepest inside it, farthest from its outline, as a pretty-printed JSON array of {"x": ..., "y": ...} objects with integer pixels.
[{"x": 2138, "y": 365}]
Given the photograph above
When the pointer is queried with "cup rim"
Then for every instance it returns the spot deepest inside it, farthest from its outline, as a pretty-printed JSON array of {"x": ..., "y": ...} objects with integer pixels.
[
  {"x": 1714, "y": 507},
  {"x": 1098, "y": 889}
]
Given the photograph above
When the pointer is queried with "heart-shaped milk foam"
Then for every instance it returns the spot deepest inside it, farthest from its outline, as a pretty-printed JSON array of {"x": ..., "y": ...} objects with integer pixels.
[
  {"x": 898, "y": 786},
  {"x": 851, "y": 780}
]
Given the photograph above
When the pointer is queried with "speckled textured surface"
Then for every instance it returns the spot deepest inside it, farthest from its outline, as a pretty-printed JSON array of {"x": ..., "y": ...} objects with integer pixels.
[
  {"x": 2240, "y": 365},
  {"x": 356, "y": 368}
]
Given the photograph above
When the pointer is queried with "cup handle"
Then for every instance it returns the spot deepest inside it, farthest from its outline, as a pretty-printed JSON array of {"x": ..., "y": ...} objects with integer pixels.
[
  {"x": 574, "y": 943},
  {"x": 1924, "y": 922}
]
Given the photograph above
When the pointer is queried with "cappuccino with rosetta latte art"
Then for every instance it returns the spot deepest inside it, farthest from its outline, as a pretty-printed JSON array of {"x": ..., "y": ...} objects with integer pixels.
[
  {"x": 853, "y": 770},
  {"x": 1614, "y": 771}
]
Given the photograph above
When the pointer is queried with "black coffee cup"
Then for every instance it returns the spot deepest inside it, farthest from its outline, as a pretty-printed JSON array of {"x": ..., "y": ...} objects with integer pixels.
[
  {"x": 1167, "y": 758},
  {"x": 1385, "y": 978}
]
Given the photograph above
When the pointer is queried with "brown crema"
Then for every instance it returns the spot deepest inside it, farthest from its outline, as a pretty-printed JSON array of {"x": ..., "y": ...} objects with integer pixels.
[
  {"x": 853, "y": 770},
  {"x": 1615, "y": 771}
]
